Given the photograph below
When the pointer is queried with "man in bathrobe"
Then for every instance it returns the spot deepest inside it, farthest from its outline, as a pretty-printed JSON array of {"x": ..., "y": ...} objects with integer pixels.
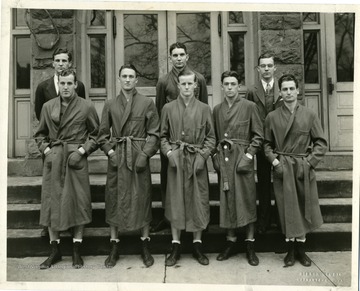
[
  {"x": 294, "y": 144},
  {"x": 129, "y": 136},
  {"x": 239, "y": 135},
  {"x": 166, "y": 91},
  {"x": 66, "y": 136},
  {"x": 187, "y": 139}
]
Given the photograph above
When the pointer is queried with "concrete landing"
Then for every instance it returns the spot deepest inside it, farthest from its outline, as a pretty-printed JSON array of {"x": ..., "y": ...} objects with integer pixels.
[{"x": 331, "y": 269}]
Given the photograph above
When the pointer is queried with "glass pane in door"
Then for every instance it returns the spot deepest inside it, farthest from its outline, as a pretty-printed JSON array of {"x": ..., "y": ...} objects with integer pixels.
[
  {"x": 344, "y": 37},
  {"x": 193, "y": 29},
  {"x": 141, "y": 46}
]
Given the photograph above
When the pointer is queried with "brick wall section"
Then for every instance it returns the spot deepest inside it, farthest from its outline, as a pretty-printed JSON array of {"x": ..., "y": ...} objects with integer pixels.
[
  {"x": 282, "y": 35},
  {"x": 46, "y": 34}
]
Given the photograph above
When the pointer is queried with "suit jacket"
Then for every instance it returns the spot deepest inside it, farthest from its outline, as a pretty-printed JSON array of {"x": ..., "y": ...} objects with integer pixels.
[
  {"x": 256, "y": 93},
  {"x": 46, "y": 91}
]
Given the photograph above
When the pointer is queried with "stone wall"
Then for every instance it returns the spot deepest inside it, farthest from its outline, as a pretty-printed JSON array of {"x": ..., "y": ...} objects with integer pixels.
[
  {"x": 282, "y": 34},
  {"x": 50, "y": 29}
]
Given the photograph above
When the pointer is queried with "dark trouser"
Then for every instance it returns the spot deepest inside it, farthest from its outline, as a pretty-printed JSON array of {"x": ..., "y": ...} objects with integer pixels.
[
  {"x": 264, "y": 189},
  {"x": 163, "y": 177}
]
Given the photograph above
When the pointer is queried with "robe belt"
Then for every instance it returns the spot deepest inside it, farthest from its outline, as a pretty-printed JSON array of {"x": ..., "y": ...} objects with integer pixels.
[
  {"x": 64, "y": 144},
  {"x": 220, "y": 148},
  {"x": 126, "y": 145},
  {"x": 186, "y": 147},
  {"x": 306, "y": 171}
]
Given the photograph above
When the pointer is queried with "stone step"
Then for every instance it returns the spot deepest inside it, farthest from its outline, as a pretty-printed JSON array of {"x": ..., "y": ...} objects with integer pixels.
[
  {"x": 333, "y": 161},
  {"x": 331, "y": 184},
  {"x": 334, "y": 210},
  {"x": 28, "y": 243}
]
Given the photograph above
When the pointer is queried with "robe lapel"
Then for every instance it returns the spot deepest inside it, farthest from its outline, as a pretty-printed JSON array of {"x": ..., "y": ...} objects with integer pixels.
[
  {"x": 291, "y": 120},
  {"x": 127, "y": 110},
  {"x": 69, "y": 112},
  {"x": 55, "y": 111}
]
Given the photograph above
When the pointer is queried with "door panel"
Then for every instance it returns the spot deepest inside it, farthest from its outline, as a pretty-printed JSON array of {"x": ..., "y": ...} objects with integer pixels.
[
  {"x": 144, "y": 38},
  {"x": 340, "y": 62}
]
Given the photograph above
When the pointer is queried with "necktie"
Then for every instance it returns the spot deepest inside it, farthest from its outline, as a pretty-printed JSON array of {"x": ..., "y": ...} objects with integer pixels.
[{"x": 268, "y": 88}]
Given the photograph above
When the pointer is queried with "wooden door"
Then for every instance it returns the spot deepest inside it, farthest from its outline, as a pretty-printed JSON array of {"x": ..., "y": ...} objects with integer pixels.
[{"x": 340, "y": 69}]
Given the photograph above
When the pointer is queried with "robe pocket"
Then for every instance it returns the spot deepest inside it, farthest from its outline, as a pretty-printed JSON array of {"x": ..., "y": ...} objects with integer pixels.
[
  {"x": 137, "y": 123},
  {"x": 200, "y": 132},
  {"x": 302, "y": 137},
  {"x": 77, "y": 127},
  {"x": 113, "y": 160},
  {"x": 245, "y": 165},
  {"x": 48, "y": 158},
  {"x": 76, "y": 161},
  {"x": 278, "y": 171},
  {"x": 241, "y": 129},
  {"x": 172, "y": 158}
]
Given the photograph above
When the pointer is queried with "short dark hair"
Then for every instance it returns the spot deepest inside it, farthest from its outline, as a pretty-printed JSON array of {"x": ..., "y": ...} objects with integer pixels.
[
  {"x": 266, "y": 55},
  {"x": 177, "y": 45},
  {"x": 187, "y": 72},
  {"x": 128, "y": 66},
  {"x": 60, "y": 50},
  {"x": 288, "y": 77},
  {"x": 230, "y": 74},
  {"x": 68, "y": 72}
]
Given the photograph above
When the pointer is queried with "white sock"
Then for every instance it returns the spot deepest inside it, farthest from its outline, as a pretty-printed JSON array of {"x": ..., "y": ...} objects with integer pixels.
[
  {"x": 290, "y": 239},
  {"x": 115, "y": 240},
  {"x": 250, "y": 239},
  {"x": 175, "y": 241},
  {"x": 77, "y": 240},
  {"x": 301, "y": 240},
  {"x": 57, "y": 240},
  {"x": 197, "y": 240},
  {"x": 144, "y": 238},
  {"x": 231, "y": 238}
]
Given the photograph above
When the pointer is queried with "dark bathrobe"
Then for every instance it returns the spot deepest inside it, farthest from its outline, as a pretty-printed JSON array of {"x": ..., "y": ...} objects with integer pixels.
[
  {"x": 129, "y": 128},
  {"x": 189, "y": 133},
  {"x": 239, "y": 130},
  {"x": 296, "y": 140},
  {"x": 65, "y": 192}
]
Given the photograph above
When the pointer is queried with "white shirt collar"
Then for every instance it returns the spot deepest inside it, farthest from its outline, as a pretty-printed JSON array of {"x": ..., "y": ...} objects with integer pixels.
[
  {"x": 264, "y": 83},
  {"x": 56, "y": 83}
]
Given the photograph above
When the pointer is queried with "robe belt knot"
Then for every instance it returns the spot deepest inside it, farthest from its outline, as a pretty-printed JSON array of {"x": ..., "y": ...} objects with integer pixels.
[
  {"x": 186, "y": 148},
  {"x": 126, "y": 143},
  {"x": 64, "y": 144},
  {"x": 306, "y": 171},
  {"x": 222, "y": 153}
]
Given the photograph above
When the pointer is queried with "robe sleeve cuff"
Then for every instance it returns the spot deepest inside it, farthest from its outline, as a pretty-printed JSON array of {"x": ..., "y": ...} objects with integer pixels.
[{"x": 106, "y": 147}]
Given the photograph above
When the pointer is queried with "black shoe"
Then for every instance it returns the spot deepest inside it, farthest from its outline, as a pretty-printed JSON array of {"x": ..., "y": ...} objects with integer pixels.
[
  {"x": 161, "y": 225},
  {"x": 289, "y": 260},
  {"x": 227, "y": 252},
  {"x": 253, "y": 260},
  {"x": 76, "y": 258},
  {"x": 113, "y": 256},
  {"x": 54, "y": 257},
  {"x": 198, "y": 254},
  {"x": 145, "y": 254},
  {"x": 45, "y": 232},
  {"x": 301, "y": 256},
  {"x": 174, "y": 256}
]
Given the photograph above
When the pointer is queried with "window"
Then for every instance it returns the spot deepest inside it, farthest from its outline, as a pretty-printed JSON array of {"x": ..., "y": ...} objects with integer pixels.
[
  {"x": 193, "y": 29},
  {"x": 141, "y": 46},
  {"x": 312, "y": 54}
]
